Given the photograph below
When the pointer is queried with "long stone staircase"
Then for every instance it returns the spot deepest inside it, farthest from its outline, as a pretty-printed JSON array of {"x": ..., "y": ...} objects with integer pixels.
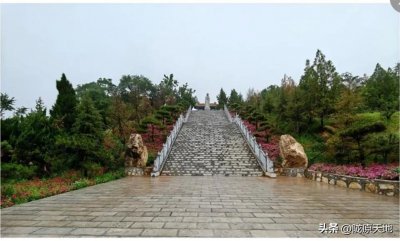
[{"x": 208, "y": 144}]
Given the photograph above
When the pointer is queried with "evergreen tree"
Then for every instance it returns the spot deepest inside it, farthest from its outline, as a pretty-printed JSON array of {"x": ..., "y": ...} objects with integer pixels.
[
  {"x": 321, "y": 87},
  {"x": 270, "y": 97},
  {"x": 256, "y": 117},
  {"x": 309, "y": 86},
  {"x": 234, "y": 98},
  {"x": 185, "y": 96},
  {"x": 152, "y": 122},
  {"x": 35, "y": 139},
  {"x": 99, "y": 92},
  {"x": 287, "y": 87},
  {"x": 222, "y": 99},
  {"x": 84, "y": 148},
  {"x": 6, "y": 103},
  {"x": 167, "y": 91},
  {"x": 295, "y": 110},
  {"x": 20, "y": 111},
  {"x": 119, "y": 114},
  {"x": 382, "y": 91},
  {"x": 328, "y": 86},
  {"x": 63, "y": 112},
  {"x": 358, "y": 133},
  {"x": 88, "y": 120},
  {"x": 350, "y": 100}
]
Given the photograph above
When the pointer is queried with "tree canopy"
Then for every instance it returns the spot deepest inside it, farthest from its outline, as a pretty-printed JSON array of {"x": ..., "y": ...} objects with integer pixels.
[{"x": 63, "y": 111}]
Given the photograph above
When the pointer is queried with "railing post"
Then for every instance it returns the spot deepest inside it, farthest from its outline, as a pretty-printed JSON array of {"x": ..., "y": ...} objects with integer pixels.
[
  {"x": 265, "y": 163},
  {"x": 228, "y": 115},
  {"x": 163, "y": 154},
  {"x": 187, "y": 114}
]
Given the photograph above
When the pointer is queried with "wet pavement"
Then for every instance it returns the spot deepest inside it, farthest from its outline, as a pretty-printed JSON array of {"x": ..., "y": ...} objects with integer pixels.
[{"x": 206, "y": 206}]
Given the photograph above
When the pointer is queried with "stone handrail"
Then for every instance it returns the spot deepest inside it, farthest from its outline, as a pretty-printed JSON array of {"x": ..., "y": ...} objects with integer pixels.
[
  {"x": 266, "y": 164},
  {"x": 188, "y": 114},
  {"x": 228, "y": 115},
  {"x": 167, "y": 146}
]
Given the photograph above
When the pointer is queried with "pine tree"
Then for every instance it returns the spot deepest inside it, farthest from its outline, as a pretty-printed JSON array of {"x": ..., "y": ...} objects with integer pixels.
[
  {"x": 382, "y": 91},
  {"x": 222, "y": 99},
  {"x": 320, "y": 84},
  {"x": 119, "y": 114},
  {"x": 295, "y": 109},
  {"x": 84, "y": 149},
  {"x": 350, "y": 100},
  {"x": 88, "y": 120},
  {"x": 328, "y": 86},
  {"x": 152, "y": 122},
  {"x": 6, "y": 103},
  {"x": 309, "y": 85},
  {"x": 33, "y": 143},
  {"x": 63, "y": 111},
  {"x": 234, "y": 98}
]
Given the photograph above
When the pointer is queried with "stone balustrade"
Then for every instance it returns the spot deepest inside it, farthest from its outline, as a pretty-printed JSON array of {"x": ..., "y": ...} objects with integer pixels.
[{"x": 378, "y": 186}]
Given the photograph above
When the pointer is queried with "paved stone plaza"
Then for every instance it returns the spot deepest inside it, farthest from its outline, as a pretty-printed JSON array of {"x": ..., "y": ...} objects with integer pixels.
[
  {"x": 214, "y": 191},
  {"x": 208, "y": 206}
]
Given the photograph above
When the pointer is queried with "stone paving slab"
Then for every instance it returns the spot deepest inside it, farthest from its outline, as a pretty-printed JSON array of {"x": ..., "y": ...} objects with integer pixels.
[{"x": 203, "y": 206}]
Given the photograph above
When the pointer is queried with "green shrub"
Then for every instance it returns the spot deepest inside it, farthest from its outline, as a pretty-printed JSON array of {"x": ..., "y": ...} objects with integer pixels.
[
  {"x": 73, "y": 175},
  {"x": 113, "y": 147},
  {"x": 34, "y": 194},
  {"x": 6, "y": 150},
  {"x": 109, "y": 176},
  {"x": 15, "y": 171},
  {"x": 150, "y": 160},
  {"x": 20, "y": 200},
  {"x": 104, "y": 178},
  {"x": 58, "y": 165},
  {"x": 93, "y": 169},
  {"x": 315, "y": 148},
  {"x": 80, "y": 183},
  {"x": 8, "y": 190},
  {"x": 119, "y": 173}
]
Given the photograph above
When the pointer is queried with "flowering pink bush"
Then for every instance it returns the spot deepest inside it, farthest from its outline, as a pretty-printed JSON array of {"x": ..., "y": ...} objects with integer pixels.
[
  {"x": 374, "y": 171},
  {"x": 250, "y": 127},
  {"x": 354, "y": 170},
  {"x": 272, "y": 149}
]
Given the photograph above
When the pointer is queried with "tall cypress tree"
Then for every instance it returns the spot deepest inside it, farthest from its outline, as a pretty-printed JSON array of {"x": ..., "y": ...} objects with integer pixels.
[
  {"x": 222, "y": 99},
  {"x": 63, "y": 111}
]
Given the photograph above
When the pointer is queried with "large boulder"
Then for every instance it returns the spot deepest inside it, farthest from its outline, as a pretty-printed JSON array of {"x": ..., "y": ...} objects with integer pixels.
[
  {"x": 292, "y": 153},
  {"x": 136, "y": 152}
]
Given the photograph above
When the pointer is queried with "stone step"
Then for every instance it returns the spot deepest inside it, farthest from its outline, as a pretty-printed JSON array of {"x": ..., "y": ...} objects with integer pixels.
[{"x": 209, "y": 145}]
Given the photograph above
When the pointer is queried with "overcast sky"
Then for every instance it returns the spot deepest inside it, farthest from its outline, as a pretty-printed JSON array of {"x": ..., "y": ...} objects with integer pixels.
[{"x": 209, "y": 46}]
